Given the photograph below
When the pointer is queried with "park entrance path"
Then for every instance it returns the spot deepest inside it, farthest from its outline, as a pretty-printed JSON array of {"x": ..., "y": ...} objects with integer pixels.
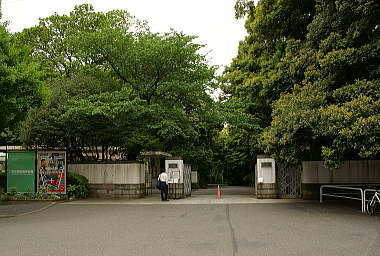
[{"x": 230, "y": 195}]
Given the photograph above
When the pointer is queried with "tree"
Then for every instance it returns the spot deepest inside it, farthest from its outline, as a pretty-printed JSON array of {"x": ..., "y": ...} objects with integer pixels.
[
  {"x": 257, "y": 76},
  {"x": 20, "y": 85},
  {"x": 168, "y": 72},
  {"x": 334, "y": 112},
  {"x": 50, "y": 125},
  {"x": 159, "y": 67},
  {"x": 236, "y": 146},
  {"x": 309, "y": 74},
  {"x": 157, "y": 99},
  {"x": 54, "y": 40}
]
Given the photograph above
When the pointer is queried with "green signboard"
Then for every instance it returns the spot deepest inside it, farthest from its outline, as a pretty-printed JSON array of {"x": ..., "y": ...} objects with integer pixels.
[{"x": 21, "y": 171}]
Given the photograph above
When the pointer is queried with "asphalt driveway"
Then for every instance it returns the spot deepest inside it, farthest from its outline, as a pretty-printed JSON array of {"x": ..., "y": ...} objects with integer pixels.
[{"x": 192, "y": 229}]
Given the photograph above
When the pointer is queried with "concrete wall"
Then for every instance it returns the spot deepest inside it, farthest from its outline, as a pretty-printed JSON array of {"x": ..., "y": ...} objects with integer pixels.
[
  {"x": 354, "y": 171},
  {"x": 112, "y": 173},
  {"x": 115, "y": 180},
  {"x": 314, "y": 174}
]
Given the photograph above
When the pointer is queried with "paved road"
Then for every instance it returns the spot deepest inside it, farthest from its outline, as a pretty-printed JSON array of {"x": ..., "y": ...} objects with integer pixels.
[
  {"x": 12, "y": 208},
  {"x": 192, "y": 229}
]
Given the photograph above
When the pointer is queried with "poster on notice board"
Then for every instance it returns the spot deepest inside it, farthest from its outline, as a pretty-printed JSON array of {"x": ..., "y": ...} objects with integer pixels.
[{"x": 51, "y": 171}]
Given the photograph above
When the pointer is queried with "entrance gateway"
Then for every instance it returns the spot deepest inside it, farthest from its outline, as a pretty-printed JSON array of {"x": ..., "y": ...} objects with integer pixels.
[
  {"x": 289, "y": 181},
  {"x": 275, "y": 180},
  {"x": 179, "y": 178}
]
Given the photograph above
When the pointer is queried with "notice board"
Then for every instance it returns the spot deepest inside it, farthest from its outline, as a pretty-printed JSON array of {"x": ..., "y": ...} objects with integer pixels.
[
  {"x": 51, "y": 166},
  {"x": 21, "y": 171}
]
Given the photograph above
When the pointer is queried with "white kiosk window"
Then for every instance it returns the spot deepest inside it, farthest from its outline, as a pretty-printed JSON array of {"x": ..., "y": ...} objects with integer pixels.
[
  {"x": 174, "y": 169},
  {"x": 266, "y": 172}
]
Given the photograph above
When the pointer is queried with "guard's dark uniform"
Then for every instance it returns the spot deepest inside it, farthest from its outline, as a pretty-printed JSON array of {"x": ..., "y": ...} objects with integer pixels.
[{"x": 163, "y": 177}]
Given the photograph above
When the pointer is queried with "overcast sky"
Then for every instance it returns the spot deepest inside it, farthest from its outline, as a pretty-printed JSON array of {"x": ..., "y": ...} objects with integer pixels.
[{"x": 212, "y": 20}]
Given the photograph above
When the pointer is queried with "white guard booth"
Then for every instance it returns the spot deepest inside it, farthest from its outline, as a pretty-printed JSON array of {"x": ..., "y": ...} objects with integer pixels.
[
  {"x": 179, "y": 178},
  {"x": 266, "y": 186},
  {"x": 266, "y": 170},
  {"x": 175, "y": 169}
]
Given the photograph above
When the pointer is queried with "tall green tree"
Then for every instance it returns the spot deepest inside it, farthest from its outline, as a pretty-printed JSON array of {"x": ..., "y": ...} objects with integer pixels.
[
  {"x": 257, "y": 77},
  {"x": 20, "y": 85},
  {"x": 309, "y": 74},
  {"x": 159, "y": 67},
  {"x": 333, "y": 113},
  {"x": 54, "y": 40},
  {"x": 48, "y": 125},
  {"x": 168, "y": 72},
  {"x": 157, "y": 98}
]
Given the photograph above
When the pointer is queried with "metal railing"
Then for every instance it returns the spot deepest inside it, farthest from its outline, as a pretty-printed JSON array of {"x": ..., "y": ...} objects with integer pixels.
[
  {"x": 340, "y": 195},
  {"x": 345, "y": 195},
  {"x": 365, "y": 196}
]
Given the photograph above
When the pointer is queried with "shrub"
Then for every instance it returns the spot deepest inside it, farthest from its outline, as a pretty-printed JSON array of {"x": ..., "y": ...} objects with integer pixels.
[
  {"x": 13, "y": 190},
  {"x": 5, "y": 197},
  {"x": 42, "y": 192},
  {"x": 21, "y": 197},
  {"x": 77, "y": 185}
]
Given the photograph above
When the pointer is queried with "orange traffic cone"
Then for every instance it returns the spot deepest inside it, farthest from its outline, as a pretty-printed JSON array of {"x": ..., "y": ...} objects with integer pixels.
[{"x": 218, "y": 195}]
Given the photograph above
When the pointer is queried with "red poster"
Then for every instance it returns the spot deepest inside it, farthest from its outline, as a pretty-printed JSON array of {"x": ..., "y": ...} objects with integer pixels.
[{"x": 51, "y": 166}]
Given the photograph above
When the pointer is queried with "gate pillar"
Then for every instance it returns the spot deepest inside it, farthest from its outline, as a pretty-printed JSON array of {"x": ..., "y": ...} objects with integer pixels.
[{"x": 266, "y": 186}]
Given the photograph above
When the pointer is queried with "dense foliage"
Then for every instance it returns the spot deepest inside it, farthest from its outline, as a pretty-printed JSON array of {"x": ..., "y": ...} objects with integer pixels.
[
  {"x": 56, "y": 39},
  {"x": 20, "y": 85},
  {"x": 77, "y": 186},
  {"x": 304, "y": 86},
  {"x": 334, "y": 111},
  {"x": 116, "y": 89},
  {"x": 256, "y": 78},
  {"x": 310, "y": 73}
]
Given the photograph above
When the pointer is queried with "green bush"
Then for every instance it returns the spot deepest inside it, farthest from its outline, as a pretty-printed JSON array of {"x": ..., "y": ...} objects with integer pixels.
[
  {"x": 21, "y": 197},
  {"x": 5, "y": 197},
  {"x": 13, "y": 190},
  {"x": 77, "y": 185}
]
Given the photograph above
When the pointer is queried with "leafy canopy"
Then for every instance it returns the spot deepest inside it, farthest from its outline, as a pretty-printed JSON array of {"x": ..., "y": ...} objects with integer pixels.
[
  {"x": 20, "y": 84},
  {"x": 309, "y": 75},
  {"x": 335, "y": 112},
  {"x": 137, "y": 91}
]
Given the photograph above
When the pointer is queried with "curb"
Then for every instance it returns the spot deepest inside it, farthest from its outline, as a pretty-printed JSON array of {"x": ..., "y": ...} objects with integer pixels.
[
  {"x": 25, "y": 213},
  {"x": 207, "y": 201}
]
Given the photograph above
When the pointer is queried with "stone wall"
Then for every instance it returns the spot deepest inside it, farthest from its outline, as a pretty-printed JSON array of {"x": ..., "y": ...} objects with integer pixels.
[
  {"x": 177, "y": 191},
  {"x": 113, "y": 180},
  {"x": 117, "y": 190},
  {"x": 266, "y": 190}
]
